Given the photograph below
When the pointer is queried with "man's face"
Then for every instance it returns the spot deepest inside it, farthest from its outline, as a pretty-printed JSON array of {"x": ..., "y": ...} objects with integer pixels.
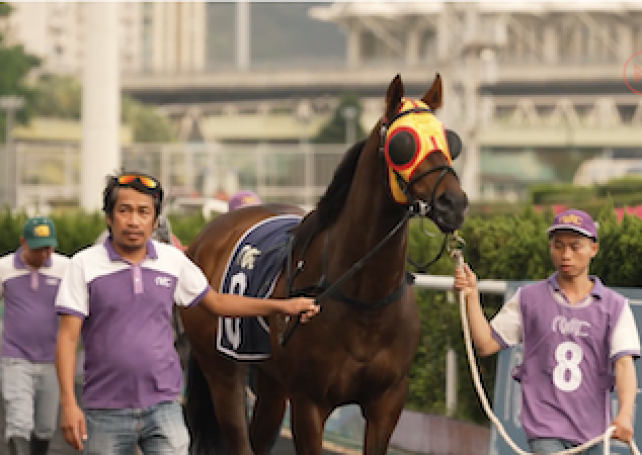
[
  {"x": 571, "y": 253},
  {"x": 133, "y": 219},
  {"x": 37, "y": 257}
]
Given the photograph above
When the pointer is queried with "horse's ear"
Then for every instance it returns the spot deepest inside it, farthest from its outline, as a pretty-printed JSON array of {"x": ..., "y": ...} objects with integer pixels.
[
  {"x": 393, "y": 97},
  {"x": 433, "y": 97}
]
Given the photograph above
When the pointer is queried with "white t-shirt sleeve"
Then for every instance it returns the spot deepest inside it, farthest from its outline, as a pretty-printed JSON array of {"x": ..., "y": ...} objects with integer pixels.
[
  {"x": 192, "y": 283},
  {"x": 73, "y": 297},
  {"x": 625, "y": 339},
  {"x": 507, "y": 323}
]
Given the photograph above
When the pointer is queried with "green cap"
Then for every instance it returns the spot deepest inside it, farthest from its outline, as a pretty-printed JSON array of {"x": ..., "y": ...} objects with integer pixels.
[{"x": 40, "y": 232}]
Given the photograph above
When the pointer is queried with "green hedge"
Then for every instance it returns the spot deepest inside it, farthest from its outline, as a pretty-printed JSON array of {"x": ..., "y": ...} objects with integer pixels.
[{"x": 621, "y": 191}]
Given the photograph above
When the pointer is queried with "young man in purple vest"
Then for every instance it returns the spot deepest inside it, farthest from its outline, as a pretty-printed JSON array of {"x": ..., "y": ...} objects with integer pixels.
[
  {"x": 29, "y": 280},
  {"x": 120, "y": 296},
  {"x": 579, "y": 340}
]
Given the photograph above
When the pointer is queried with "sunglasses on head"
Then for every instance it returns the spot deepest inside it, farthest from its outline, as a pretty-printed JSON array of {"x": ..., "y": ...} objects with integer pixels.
[{"x": 128, "y": 179}]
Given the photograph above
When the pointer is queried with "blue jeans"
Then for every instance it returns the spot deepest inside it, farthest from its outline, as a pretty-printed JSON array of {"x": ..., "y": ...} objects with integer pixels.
[
  {"x": 159, "y": 429},
  {"x": 549, "y": 445},
  {"x": 30, "y": 394}
]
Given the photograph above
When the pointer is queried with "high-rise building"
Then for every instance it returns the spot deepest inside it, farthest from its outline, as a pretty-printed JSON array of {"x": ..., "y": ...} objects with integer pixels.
[
  {"x": 173, "y": 37},
  {"x": 166, "y": 37}
]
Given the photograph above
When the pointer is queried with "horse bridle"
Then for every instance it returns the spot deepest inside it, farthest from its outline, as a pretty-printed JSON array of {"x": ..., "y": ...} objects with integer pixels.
[{"x": 417, "y": 207}]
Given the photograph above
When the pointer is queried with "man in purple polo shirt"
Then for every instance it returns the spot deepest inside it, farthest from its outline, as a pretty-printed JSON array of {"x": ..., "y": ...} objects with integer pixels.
[
  {"x": 579, "y": 340},
  {"x": 29, "y": 280},
  {"x": 120, "y": 295}
]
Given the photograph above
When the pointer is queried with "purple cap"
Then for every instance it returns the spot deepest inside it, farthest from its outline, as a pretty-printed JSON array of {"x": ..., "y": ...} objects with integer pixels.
[
  {"x": 574, "y": 220},
  {"x": 241, "y": 199}
]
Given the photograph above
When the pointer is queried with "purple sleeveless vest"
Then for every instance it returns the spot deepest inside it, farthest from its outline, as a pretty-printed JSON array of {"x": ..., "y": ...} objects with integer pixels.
[{"x": 566, "y": 376}]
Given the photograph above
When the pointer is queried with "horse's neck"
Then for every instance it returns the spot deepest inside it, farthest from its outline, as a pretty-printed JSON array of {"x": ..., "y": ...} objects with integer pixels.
[{"x": 366, "y": 220}]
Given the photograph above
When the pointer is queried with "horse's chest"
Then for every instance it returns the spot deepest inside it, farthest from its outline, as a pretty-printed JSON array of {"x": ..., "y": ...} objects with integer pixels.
[
  {"x": 354, "y": 377},
  {"x": 377, "y": 364}
]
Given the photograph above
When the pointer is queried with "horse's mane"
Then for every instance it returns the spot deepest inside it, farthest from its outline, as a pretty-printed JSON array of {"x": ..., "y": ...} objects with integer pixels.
[{"x": 331, "y": 203}]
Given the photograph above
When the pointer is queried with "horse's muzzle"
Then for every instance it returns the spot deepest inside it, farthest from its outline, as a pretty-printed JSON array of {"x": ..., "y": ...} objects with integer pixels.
[{"x": 449, "y": 210}]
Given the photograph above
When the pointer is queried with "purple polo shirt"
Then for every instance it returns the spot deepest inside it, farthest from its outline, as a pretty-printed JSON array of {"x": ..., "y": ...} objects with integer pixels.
[
  {"x": 30, "y": 321},
  {"x": 567, "y": 372},
  {"x": 130, "y": 360}
]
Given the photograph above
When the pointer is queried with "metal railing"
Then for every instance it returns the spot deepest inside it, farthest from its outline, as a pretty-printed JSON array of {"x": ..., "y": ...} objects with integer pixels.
[{"x": 49, "y": 174}]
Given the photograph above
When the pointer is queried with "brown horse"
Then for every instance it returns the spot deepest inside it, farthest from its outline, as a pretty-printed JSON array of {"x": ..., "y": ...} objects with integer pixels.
[{"x": 350, "y": 253}]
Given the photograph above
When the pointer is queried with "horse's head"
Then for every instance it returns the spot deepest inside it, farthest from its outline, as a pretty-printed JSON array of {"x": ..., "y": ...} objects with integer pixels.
[{"x": 418, "y": 152}]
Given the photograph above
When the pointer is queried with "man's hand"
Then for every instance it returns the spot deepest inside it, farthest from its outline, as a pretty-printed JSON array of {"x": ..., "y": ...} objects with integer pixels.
[
  {"x": 72, "y": 424},
  {"x": 300, "y": 305},
  {"x": 465, "y": 280},
  {"x": 623, "y": 428}
]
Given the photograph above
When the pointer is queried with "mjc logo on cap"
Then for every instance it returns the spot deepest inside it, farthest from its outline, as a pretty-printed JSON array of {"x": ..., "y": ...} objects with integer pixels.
[
  {"x": 570, "y": 218},
  {"x": 40, "y": 232},
  {"x": 576, "y": 221}
]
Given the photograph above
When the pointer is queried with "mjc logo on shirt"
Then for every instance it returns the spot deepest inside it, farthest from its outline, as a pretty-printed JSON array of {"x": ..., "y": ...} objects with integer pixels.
[{"x": 163, "y": 281}]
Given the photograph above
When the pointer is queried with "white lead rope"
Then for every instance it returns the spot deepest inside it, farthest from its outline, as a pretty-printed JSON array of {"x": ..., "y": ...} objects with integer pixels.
[{"x": 457, "y": 256}]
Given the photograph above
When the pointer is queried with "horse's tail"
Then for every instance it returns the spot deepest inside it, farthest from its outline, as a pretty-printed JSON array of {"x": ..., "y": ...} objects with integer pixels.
[{"x": 205, "y": 433}]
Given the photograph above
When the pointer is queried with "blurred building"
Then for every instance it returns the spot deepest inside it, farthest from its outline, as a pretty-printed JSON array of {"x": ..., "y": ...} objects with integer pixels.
[
  {"x": 549, "y": 78},
  {"x": 173, "y": 36},
  {"x": 154, "y": 37},
  {"x": 533, "y": 88}
]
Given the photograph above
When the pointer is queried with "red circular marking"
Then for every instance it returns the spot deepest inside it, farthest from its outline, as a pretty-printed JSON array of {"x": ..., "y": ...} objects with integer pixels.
[
  {"x": 414, "y": 157},
  {"x": 626, "y": 81}
]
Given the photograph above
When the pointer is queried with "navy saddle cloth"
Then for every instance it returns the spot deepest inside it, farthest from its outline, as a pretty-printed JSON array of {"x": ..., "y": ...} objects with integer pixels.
[{"x": 252, "y": 270}]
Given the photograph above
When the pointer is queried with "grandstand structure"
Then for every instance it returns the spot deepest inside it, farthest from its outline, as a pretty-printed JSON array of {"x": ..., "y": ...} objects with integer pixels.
[
  {"x": 520, "y": 76},
  {"x": 550, "y": 83}
]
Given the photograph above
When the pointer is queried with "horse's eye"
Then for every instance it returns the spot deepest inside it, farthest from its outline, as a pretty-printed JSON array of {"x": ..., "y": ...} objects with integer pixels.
[
  {"x": 454, "y": 144},
  {"x": 401, "y": 148}
]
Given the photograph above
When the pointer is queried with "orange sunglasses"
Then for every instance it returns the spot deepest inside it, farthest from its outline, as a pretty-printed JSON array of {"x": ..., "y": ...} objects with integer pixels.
[{"x": 127, "y": 179}]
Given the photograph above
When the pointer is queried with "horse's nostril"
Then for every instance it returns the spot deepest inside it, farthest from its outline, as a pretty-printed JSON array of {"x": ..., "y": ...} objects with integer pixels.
[
  {"x": 449, "y": 201},
  {"x": 445, "y": 201}
]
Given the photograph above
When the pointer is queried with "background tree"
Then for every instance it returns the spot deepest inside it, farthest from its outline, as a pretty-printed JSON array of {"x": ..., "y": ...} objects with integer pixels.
[
  {"x": 335, "y": 130},
  {"x": 15, "y": 65},
  {"x": 146, "y": 122},
  {"x": 61, "y": 97},
  {"x": 58, "y": 97}
]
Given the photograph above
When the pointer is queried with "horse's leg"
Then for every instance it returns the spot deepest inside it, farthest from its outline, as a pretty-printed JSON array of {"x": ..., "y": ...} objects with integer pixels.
[
  {"x": 308, "y": 420},
  {"x": 268, "y": 412},
  {"x": 226, "y": 379},
  {"x": 382, "y": 414}
]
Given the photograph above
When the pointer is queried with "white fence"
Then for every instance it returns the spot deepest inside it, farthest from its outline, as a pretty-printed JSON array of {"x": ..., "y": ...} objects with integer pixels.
[{"x": 445, "y": 283}]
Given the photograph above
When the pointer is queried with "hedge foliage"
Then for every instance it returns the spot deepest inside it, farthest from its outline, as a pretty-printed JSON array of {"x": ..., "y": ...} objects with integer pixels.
[
  {"x": 510, "y": 247},
  {"x": 621, "y": 192}
]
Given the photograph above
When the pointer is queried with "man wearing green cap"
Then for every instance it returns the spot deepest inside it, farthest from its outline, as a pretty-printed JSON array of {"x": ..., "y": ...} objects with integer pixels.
[{"x": 29, "y": 280}]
